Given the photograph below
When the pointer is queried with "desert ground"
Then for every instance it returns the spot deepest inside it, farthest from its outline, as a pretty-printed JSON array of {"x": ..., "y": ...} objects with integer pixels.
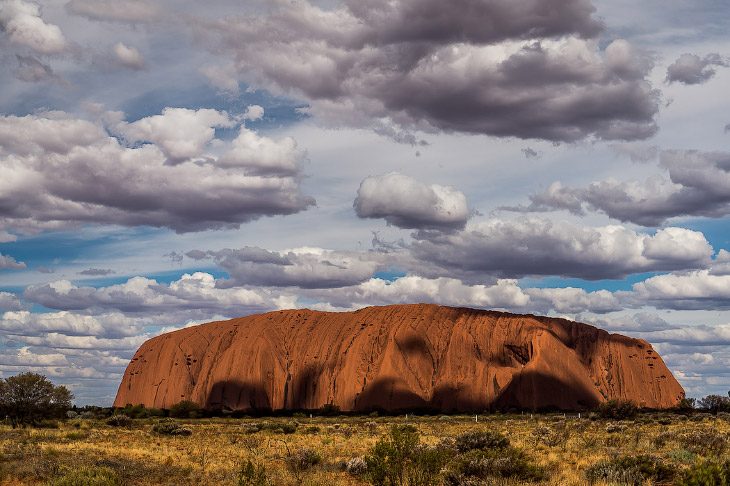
[{"x": 303, "y": 450}]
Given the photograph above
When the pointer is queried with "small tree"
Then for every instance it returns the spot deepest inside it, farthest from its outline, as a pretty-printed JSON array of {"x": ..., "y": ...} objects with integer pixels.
[
  {"x": 28, "y": 398},
  {"x": 185, "y": 409},
  {"x": 715, "y": 403},
  {"x": 617, "y": 409}
]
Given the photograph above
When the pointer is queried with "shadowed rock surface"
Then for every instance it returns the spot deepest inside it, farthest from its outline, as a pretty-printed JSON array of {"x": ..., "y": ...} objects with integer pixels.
[{"x": 396, "y": 357}]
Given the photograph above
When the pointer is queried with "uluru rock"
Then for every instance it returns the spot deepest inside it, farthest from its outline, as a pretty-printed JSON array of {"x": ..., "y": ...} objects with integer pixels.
[{"x": 396, "y": 358}]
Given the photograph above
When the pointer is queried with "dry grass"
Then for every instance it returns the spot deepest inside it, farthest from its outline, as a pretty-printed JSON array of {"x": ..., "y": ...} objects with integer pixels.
[{"x": 217, "y": 448}]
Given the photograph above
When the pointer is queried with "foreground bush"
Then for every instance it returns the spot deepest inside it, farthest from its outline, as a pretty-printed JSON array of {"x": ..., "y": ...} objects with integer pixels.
[
  {"x": 617, "y": 409},
  {"x": 508, "y": 463},
  {"x": 633, "y": 470},
  {"x": 706, "y": 474},
  {"x": 705, "y": 443},
  {"x": 303, "y": 460},
  {"x": 119, "y": 421},
  {"x": 170, "y": 427},
  {"x": 481, "y": 439},
  {"x": 398, "y": 459}
]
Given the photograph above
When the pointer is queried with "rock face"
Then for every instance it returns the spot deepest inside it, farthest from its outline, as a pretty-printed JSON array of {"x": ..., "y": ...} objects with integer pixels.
[{"x": 396, "y": 358}]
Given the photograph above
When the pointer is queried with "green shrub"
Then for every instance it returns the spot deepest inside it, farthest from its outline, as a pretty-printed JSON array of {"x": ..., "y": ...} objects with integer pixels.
[
  {"x": 706, "y": 443},
  {"x": 141, "y": 412},
  {"x": 88, "y": 476},
  {"x": 426, "y": 464},
  {"x": 481, "y": 439},
  {"x": 252, "y": 474},
  {"x": 288, "y": 428},
  {"x": 170, "y": 427},
  {"x": 483, "y": 464},
  {"x": 682, "y": 456},
  {"x": 617, "y": 409},
  {"x": 185, "y": 409},
  {"x": 706, "y": 474},
  {"x": 387, "y": 460},
  {"x": 303, "y": 460},
  {"x": 119, "y": 421},
  {"x": 633, "y": 470}
]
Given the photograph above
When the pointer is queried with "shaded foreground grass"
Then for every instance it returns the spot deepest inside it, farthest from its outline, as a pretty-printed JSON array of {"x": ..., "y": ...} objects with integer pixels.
[{"x": 321, "y": 450}]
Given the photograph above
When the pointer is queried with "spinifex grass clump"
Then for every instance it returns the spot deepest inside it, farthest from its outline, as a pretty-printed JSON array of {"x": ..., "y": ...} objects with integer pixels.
[
  {"x": 170, "y": 427},
  {"x": 631, "y": 470}
]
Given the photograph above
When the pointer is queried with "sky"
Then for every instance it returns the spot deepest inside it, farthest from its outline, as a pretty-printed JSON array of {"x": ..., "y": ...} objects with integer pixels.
[{"x": 167, "y": 163}]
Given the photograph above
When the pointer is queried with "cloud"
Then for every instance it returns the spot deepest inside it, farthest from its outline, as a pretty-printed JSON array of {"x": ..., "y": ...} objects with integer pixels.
[
  {"x": 96, "y": 272},
  {"x": 639, "y": 322},
  {"x": 180, "y": 133},
  {"x": 699, "y": 290},
  {"x": 9, "y": 263},
  {"x": 407, "y": 203},
  {"x": 110, "y": 325},
  {"x": 253, "y": 113},
  {"x": 530, "y": 153},
  {"x": 32, "y": 70},
  {"x": 131, "y": 11},
  {"x": 59, "y": 171},
  {"x": 22, "y": 23},
  {"x": 128, "y": 57},
  {"x": 570, "y": 300},
  {"x": 413, "y": 288},
  {"x": 139, "y": 295},
  {"x": 526, "y": 69},
  {"x": 692, "y": 69},
  {"x": 10, "y": 302},
  {"x": 301, "y": 267},
  {"x": 221, "y": 77},
  {"x": 698, "y": 185},
  {"x": 517, "y": 248}
]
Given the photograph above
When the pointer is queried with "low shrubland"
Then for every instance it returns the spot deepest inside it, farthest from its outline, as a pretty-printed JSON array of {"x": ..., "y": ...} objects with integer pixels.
[{"x": 94, "y": 447}]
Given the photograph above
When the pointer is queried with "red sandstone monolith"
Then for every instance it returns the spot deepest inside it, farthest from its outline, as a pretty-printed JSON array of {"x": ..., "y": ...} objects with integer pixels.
[{"x": 396, "y": 357}]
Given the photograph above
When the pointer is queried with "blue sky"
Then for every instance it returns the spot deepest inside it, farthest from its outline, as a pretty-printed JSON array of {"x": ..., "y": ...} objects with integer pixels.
[{"x": 168, "y": 163}]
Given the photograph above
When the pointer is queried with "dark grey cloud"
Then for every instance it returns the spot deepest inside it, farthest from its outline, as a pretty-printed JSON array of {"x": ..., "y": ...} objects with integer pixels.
[
  {"x": 524, "y": 247},
  {"x": 96, "y": 272},
  {"x": 60, "y": 171},
  {"x": 698, "y": 185},
  {"x": 693, "y": 69},
  {"x": 9, "y": 263},
  {"x": 472, "y": 21},
  {"x": 526, "y": 68},
  {"x": 407, "y": 203},
  {"x": 304, "y": 268}
]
